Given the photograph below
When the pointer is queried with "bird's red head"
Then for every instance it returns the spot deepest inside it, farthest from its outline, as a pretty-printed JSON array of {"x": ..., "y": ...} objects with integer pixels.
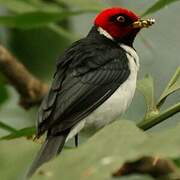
[{"x": 119, "y": 22}]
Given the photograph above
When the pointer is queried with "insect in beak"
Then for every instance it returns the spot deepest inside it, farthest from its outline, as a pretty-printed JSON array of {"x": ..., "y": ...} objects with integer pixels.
[{"x": 143, "y": 23}]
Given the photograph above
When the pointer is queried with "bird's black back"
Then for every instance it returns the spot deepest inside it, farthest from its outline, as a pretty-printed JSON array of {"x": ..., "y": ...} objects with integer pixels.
[{"x": 88, "y": 73}]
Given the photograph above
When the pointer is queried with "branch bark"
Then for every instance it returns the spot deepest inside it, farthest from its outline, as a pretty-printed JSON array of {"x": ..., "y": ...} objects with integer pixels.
[{"x": 30, "y": 89}]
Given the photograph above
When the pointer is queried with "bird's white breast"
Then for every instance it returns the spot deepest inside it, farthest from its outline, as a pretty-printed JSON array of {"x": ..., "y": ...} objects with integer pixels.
[{"x": 117, "y": 103}]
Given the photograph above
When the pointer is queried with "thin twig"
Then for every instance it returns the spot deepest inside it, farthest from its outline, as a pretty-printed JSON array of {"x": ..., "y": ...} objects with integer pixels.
[{"x": 30, "y": 89}]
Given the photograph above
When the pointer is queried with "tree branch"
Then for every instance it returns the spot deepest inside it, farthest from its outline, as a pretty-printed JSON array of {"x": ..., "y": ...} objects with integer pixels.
[
  {"x": 30, "y": 89},
  {"x": 149, "y": 123}
]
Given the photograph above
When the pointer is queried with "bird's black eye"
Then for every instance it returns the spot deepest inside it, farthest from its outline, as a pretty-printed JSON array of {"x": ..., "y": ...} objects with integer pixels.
[{"x": 121, "y": 19}]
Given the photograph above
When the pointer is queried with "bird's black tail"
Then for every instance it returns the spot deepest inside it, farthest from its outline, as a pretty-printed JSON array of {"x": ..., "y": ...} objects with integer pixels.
[{"x": 51, "y": 147}]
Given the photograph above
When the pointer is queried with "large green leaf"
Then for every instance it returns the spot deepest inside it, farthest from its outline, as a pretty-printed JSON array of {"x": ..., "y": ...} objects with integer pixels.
[
  {"x": 157, "y": 6},
  {"x": 101, "y": 155},
  {"x": 23, "y": 152},
  {"x": 29, "y": 6},
  {"x": 106, "y": 151},
  {"x": 23, "y": 6},
  {"x": 20, "y": 6},
  {"x": 35, "y": 19},
  {"x": 47, "y": 6},
  {"x": 164, "y": 144},
  {"x": 31, "y": 14},
  {"x": 173, "y": 86},
  {"x": 146, "y": 87},
  {"x": 25, "y": 132}
]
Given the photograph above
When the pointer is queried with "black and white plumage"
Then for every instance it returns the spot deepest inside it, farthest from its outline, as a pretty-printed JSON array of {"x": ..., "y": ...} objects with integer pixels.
[
  {"x": 119, "y": 99},
  {"x": 94, "y": 83}
]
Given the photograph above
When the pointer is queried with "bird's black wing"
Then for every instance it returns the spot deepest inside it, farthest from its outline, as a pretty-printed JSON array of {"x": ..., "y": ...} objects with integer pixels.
[{"x": 86, "y": 76}]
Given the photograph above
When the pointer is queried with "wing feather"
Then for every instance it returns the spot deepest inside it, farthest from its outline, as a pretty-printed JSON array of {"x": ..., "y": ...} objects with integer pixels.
[{"x": 84, "y": 79}]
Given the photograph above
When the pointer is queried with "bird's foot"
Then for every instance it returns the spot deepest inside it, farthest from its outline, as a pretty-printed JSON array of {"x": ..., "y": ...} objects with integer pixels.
[{"x": 35, "y": 139}]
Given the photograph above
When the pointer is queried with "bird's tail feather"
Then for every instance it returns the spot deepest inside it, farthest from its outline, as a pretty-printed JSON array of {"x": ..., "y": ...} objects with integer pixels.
[{"x": 51, "y": 147}]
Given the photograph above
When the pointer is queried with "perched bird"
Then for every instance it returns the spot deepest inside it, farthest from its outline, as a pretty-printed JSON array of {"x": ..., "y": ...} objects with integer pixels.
[{"x": 94, "y": 82}]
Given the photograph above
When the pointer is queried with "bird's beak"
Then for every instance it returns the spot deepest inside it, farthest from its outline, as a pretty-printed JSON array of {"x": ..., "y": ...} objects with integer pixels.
[{"x": 143, "y": 23}]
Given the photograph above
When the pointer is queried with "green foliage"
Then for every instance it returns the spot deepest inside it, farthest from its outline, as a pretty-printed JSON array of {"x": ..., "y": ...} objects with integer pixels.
[
  {"x": 3, "y": 91},
  {"x": 158, "y": 5},
  {"x": 153, "y": 114},
  {"x": 85, "y": 4},
  {"x": 62, "y": 32},
  {"x": 25, "y": 132},
  {"x": 35, "y": 19},
  {"x": 146, "y": 87},
  {"x": 173, "y": 86},
  {"x": 34, "y": 14},
  {"x": 117, "y": 143},
  {"x": 18, "y": 6},
  {"x": 22, "y": 6},
  {"x": 37, "y": 13}
]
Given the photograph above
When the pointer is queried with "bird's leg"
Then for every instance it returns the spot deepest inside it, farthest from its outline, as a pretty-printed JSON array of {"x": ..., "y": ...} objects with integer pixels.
[{"x": 76, "y": 140}]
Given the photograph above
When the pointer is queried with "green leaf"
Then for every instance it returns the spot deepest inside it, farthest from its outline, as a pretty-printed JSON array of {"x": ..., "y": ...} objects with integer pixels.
[
  {"x": 85, "y": 4},
  {"x": 35, "y": 19},
  {"x": 33, "y": 14},
  {"x": 164, "y": 144},
  {"x": 107, "y": 150},
  {"x": 25, "y": 132},
  {"x": 7, "y": 127},
  {"x": 46, "y": 6},
  {"x": 63, "y": 32},
  {"x": 173, "y": 86},
  {"x": 157, "y": 6},
  {"x": 3, "y": 90},
  {"x": 20, "y": 6},
  {"x": 146, "y": 87}
]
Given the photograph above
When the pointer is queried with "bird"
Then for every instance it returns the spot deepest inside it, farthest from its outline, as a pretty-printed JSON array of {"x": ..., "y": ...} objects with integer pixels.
[{"x": 94, "y": 82}]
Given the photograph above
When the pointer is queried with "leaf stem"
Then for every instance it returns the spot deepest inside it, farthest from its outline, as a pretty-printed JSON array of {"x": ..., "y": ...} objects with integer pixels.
[
  {"x": 63, "y": 32},
  {"x": 149, "y": 123},
  {"x": 7, "y": 127}
]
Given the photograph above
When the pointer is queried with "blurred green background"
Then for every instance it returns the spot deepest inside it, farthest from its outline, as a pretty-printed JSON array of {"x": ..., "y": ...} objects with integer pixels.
[{"x": 39, "y": 47}]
